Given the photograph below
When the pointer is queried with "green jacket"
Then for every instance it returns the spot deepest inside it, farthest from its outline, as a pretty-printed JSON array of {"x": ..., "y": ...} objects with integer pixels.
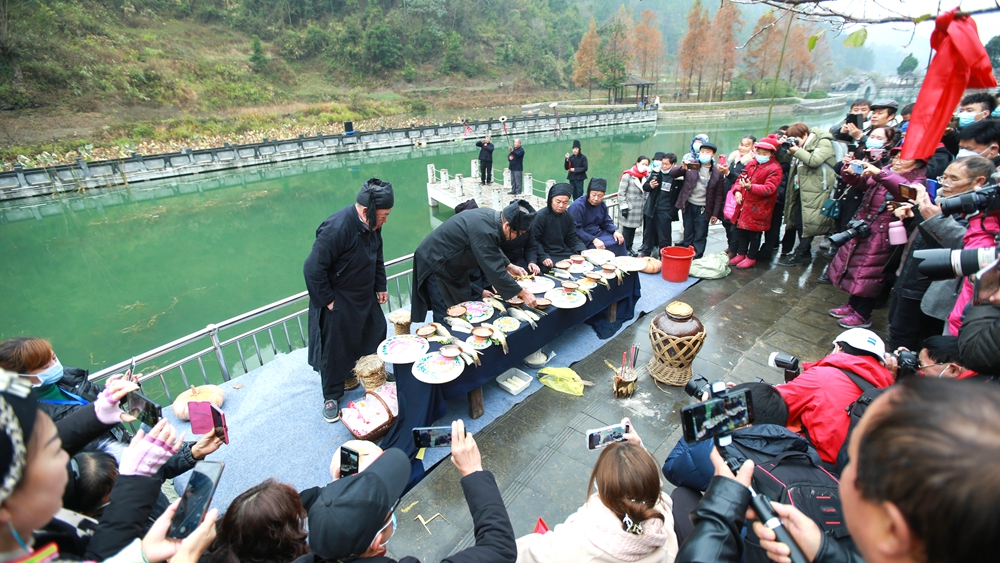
[{"x": 811, "y": 181}]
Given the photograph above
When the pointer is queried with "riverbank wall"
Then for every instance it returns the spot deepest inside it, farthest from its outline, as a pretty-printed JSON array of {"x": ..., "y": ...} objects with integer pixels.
[{"x": 31, "y": 182}]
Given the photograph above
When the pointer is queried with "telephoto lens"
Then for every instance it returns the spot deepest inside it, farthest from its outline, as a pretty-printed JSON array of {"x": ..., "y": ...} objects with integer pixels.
[
  {"x": 944, "y": 264},
  {"x": 697, "y": 387},
  {"x": 855, "y": 229},
  {"x": 986, "y": 200}
]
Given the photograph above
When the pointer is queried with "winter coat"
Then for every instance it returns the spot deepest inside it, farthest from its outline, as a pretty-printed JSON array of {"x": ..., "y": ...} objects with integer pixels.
[
  {"x": 74, "y": 380},
  {"x": 592, "y": 221},
  {"x": 595, "y": 534},
  {"x": 718, "y": 527},
  {"x": 579, "y": 164},
  {"x": 485, "y": 151},
  {"x": 631, "y": 200},
  {"x": 690, "y": 465},
  {"x": 493, "y": 533},
  {"x": 817, "y": 398},
  {"x": 715, "y": 191},
  {"x": 754, "y": 214},
  {"x": 811, "y": 180},
  {"x": 979, "y": 339},
  {"x": 942, "y": 232},
  {"x": 516, "y": 158},
  {"x": 859, "y": 266},
  {"x": 981, "y": 234}
]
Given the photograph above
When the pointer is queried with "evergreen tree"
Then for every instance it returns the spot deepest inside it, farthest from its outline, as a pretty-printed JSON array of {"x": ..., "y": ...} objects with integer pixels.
[
  {"x": 258, "y": 60},
  {"x": 993, "y": 50},
  {"x": 908, "y": 65},
  {"x": 585, "y": 71}
]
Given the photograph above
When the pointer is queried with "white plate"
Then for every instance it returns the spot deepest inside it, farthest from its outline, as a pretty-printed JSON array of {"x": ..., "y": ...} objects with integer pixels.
[
  {"x": 629, "y": 263},
  {"x": 581, "y": 268},
  {"x": 507, "y": 324},
  {"x": 477, "y": 311},
  {"x": 435, "y": 369},
  {"x": 402, "y": 349},
  {"x": 473, "y": 341},
  {"x": 563, "y": 298},
  {"x": 598, "y": 256},
  {"x": 538, "y": 284}
]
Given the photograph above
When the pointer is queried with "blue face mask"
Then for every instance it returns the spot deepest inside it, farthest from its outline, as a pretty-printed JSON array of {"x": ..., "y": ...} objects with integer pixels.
[
  {"x": 51, "y": 375},
  {"x": 656, "y": 165},
  {"x": 874, "y": 143},
  {"x": 761, "y": 158},
  {"x": 966, "y": 118},
  {"x": 996, "y": 113},
  {"x": 704, "y": 158}
]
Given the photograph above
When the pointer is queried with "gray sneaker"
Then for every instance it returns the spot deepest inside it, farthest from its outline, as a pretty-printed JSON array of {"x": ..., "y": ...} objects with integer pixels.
[{"x": 331, "y": 410}]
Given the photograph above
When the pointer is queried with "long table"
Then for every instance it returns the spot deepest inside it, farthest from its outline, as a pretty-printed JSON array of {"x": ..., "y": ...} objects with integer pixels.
[{"x": 420, "y": 404}]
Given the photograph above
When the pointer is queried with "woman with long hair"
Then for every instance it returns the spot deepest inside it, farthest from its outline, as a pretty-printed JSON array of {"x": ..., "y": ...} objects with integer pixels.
[{"x": 626, "y": 517}]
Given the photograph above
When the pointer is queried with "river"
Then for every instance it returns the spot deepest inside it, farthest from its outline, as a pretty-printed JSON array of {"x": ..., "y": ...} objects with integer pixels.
[{"x": 105, "y": 282}]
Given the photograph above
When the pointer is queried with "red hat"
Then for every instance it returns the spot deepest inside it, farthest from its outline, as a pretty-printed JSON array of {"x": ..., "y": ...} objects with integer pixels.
[{"x": 770, "y": 143}]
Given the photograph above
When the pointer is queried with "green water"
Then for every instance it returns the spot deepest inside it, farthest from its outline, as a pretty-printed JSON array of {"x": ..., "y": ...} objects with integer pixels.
[{"x": 112, "y": 273}]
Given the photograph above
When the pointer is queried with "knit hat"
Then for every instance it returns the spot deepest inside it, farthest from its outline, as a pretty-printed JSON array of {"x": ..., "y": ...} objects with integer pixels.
[
  {"x": 18, "y": 411},
  {"x": 770, "y": 143},
  {"x": 520, "y": 214},
  {"x": 597, "y": 185},
  {"x": 576, "y": 144}
]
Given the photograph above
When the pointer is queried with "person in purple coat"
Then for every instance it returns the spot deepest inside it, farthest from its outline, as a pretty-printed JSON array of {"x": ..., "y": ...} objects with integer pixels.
[{"x": 593, "y": 223}]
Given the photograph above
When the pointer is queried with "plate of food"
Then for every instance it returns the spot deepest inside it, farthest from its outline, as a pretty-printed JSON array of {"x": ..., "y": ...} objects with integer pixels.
[
  {"x": 563, "y": 298},
  {"x": 402, "y": 349},
  {"x": 435, "y": 369},
  {"x": 537, "y": 284},
  {"x": 598, "y": 256},
  {"x": 630, "y": 263},
  {"x": 477, "y": 311},
  {"x": 581, "y": 268},
  {"x": 479, "y": 343},
  {"x": 507, "y": 324}
]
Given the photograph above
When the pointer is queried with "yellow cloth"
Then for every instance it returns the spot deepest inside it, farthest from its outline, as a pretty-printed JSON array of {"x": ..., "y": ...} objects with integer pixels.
[{"x": 564, "y": 380}]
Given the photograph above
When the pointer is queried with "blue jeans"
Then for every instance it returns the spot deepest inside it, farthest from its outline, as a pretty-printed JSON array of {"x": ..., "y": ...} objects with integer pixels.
[{"x": 695, "y": 228}]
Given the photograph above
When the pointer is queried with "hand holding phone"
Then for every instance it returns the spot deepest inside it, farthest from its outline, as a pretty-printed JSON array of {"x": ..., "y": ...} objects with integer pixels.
[
  {"x": 196, "y": 498},
  {"x": 907, "y": 191},
  {"x": 206, "y": 418},
  {"x": 722, "y": 160},
  {"x": 717, "y": 416},
  {"x": 350, "y": 462}
]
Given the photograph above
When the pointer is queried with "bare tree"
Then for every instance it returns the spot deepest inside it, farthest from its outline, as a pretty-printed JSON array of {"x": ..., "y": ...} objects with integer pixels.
[{"x": 823, "y": 11}]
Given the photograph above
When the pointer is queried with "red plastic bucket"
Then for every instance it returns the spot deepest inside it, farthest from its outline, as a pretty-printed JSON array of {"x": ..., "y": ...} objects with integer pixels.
[{"x": 676, "y": 263}]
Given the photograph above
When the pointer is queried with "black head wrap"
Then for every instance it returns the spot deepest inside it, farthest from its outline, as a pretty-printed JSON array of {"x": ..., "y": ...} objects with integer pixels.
[
  {"x": 558, "y": 190},
  {"x": 597, "y": 185},
  {"x": 466, "y": 205},
  {"x": 520, "y": 214},
  {"x": 576, "y": 144},
  {"x": 375, "y": 194},
  {"x": 18, "y": 410}
]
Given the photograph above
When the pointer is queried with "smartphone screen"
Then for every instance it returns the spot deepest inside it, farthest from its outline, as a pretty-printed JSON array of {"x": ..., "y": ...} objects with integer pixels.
[
  {"x": 908, "y": 192},
  {"x": 717, "y": 416},
  {"x": 142, "y": 408},
  {"x": 349, "y": 460},
  {"x": 722, "y": 160},
  {"x": 432, "y": 436},
  {"x": 219, "y": 422},
  {"x": 196, "y": 499},
  {"x": 600, "y": 437}
]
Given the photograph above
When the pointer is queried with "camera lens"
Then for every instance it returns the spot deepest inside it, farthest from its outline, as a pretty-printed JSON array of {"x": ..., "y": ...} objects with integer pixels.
[{"x": 697, "y": 387}]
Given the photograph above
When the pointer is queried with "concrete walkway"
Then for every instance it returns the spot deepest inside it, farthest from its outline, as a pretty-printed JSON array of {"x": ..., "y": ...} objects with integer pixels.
[{"x": 537, "y": 450}]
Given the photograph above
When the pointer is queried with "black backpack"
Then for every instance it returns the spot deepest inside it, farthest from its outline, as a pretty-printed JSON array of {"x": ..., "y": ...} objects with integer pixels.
[
  {"x": 855, "y": 411},
  {"x": 797, "y": 478}
]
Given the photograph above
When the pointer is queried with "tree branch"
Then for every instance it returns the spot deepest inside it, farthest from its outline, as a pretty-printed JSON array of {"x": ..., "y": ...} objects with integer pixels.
[
  {"x": 815, "y": 10},
  {"x": 765, "y": 28}
]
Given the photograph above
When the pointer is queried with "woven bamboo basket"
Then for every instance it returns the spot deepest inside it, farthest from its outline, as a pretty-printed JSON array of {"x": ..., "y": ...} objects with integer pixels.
[
  {"x": 370, "y": 371},
  {"x": 351, "y": 384},
  {"x": 672, "y": 355},
  {"x": 400, "y": 321}
]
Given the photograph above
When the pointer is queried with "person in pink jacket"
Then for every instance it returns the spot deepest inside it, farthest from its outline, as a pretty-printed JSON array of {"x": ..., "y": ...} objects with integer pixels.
[
  {"x": 627, "y": 517},
  {"x": 981, "y": 234}
]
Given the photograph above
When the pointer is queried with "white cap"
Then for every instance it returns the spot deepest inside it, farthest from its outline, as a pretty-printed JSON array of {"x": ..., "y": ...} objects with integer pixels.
[{"x": 863, "y": 339}]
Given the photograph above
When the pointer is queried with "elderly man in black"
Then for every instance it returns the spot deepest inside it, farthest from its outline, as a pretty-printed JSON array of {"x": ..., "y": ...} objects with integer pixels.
[
  {"x": 470, "y": 239},
  {"x": 345, "y": 276},
  {"x": 485, "y": 160},
  {"x": 554, "y": 229}
]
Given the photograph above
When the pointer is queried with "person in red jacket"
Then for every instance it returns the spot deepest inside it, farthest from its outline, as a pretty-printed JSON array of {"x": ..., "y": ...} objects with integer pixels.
[
  {"x": 756, "y": 191},
  {"x": 818, "y": 398}
]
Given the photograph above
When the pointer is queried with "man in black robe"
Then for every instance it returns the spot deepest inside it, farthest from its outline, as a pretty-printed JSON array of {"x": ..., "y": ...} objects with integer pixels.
[
  {"x": 554, "y": 229},
  {"x": 470, "y": 239},
  {"x": 345, "y": 276}
]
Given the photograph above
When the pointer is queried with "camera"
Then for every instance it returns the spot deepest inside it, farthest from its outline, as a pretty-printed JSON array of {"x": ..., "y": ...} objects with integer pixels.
[
  {"x": 787, "y": 362},
  {"x": 985, "y": 200},
  {"x": 697, "y": 386},
  {"x": 908, "y": 362},
  {"x": 944, "y": 264},
  {"x": 857, "y": 228}
]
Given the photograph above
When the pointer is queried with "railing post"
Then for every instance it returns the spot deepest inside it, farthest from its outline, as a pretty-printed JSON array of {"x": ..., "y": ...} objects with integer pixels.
[{"x": 213, "y": 332}]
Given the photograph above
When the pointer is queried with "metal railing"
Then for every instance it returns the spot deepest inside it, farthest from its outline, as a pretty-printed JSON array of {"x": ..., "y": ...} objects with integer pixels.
[{"x": 173, "y": 377}]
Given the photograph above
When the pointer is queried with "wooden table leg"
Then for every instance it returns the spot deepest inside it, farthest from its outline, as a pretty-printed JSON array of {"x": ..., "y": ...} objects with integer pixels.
[
  {"x": 612, "y": 312},
  {"x": 476, "y": 407}
]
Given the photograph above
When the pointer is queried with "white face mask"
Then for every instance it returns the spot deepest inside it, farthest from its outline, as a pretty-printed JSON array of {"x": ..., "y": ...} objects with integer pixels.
[
  {"x": 962, "y": 153},
  {"x": 642, "y": 168}
]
